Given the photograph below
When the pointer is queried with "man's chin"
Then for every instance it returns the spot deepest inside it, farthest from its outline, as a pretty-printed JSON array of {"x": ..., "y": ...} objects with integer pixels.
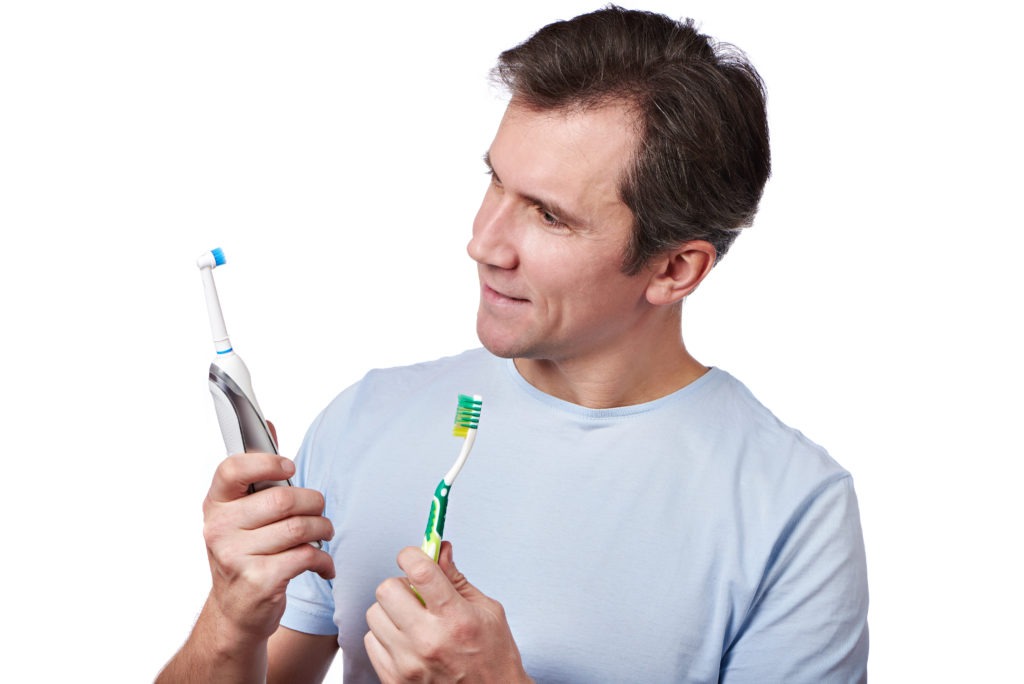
[
  {"x": 501, "y": 351},
  {"x": 501, "y": 347}
]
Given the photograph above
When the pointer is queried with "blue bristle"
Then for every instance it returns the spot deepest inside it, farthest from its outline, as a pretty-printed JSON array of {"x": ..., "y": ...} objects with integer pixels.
[{"x": 218, "y": 256}]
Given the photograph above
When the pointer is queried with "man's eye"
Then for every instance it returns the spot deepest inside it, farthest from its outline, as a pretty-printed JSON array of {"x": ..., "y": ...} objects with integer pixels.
[{"x": 549, "y": 219}]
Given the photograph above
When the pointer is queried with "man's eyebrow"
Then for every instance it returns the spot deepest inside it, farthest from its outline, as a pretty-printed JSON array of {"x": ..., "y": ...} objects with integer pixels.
[{"x": 557, "y": 210}]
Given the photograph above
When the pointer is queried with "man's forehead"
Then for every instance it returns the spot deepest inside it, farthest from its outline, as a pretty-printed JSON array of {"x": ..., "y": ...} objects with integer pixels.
[
  {"x": 573, "y": 158},
  {"x": 609, "y": 131},
  {"x": 589, "y": 140}
]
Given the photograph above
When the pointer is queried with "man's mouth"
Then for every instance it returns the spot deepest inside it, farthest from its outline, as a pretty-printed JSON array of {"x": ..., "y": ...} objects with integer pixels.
[{"x": 496, "y": 297}]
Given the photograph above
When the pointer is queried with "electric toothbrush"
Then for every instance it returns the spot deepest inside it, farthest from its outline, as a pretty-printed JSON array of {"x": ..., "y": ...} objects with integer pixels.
[{"x": 241, "y": 422}]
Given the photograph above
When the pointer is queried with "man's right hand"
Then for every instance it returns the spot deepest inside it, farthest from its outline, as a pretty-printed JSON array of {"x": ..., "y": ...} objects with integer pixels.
[{"x": 257, "y": 542}]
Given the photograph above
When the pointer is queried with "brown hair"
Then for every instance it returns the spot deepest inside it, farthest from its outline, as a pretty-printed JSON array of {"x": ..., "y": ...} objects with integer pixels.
[{"x": 702, "y": 159}]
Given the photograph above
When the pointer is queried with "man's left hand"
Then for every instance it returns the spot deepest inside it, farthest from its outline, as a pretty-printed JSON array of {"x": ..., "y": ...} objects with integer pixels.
[{"x": 459, "y": 635}]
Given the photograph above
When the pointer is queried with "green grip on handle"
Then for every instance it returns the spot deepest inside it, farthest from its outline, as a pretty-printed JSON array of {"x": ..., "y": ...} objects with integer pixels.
[{"x": 435, "y": 522}]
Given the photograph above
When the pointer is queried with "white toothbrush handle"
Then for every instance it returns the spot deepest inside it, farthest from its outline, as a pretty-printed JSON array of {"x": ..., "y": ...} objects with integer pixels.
[
  {"x": 241, "y": 424},
  {"x": 228, "y": 421}
]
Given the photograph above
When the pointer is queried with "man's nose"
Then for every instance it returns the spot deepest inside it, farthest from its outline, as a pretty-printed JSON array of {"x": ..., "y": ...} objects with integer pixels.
[{"x": 493, "y": 241}]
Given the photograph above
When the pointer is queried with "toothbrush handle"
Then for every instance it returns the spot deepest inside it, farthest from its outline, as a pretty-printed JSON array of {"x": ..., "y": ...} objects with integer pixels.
[
  {"x": 241, "y": 425},
  {"x": 435, "y": 522}
]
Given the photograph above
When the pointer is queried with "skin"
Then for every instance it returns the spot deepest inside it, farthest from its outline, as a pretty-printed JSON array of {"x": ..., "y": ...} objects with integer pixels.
[{"x": 548, "y": 240}]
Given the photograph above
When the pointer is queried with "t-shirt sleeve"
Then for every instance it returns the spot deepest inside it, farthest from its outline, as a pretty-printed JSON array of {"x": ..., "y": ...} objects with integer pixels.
[
  {"x": 808, "y": 620},
  {"x": 310, "y": 608},
  {"x": 310, "y": 600}
]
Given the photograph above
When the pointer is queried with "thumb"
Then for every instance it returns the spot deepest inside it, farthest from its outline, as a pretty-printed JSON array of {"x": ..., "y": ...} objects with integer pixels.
[{"x": 446, "y": 562}]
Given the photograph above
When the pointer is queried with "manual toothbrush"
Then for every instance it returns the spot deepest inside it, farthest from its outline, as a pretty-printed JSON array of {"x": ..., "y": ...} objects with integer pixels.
[{"x": 467, "y": 419}]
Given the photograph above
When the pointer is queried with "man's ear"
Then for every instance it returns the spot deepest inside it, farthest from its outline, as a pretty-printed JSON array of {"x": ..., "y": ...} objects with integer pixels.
[{"x": 678, "y": 272}]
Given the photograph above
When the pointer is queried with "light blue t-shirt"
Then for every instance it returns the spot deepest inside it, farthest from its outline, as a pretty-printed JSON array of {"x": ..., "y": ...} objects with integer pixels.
[{"x": 694, "y": 538}]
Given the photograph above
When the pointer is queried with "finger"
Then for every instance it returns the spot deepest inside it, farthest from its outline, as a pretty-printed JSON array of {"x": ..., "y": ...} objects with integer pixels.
[
  {"x": 380, "y": 658},
  {"x": 398, "y": 601},
  {"x": 261, "y": 509},
  {"x": 233, "y": 476},
  {"x": 382, "y": 628},
  {"x": 267, "y": 575},
  {"x": 282, "y": 567},
  {"x": 264, "y": 523},
  {"x": 278, "y": 503},
  {"x": 307, "y": 557},
  {"x": 446, "y": 561},
  {"x": 427, "y": 577},
  {"x": 273, "y": 433},
  {"x": 391, "y": 649},
  {"x": 284, "y": 534}
]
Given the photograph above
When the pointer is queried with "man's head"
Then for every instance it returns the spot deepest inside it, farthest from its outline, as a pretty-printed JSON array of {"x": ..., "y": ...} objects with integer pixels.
[{"x": 702, "y": 155}]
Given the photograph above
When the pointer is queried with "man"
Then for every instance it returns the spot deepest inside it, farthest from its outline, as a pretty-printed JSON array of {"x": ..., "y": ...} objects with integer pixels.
[{"x": 640, "y": 516}]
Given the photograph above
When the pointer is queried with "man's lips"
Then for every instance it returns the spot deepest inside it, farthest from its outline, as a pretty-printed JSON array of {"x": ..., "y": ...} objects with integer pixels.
[{"x": 497, "y": 297}]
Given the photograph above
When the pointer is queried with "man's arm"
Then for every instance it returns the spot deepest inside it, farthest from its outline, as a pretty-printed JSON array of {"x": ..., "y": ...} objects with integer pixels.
[
  {"x": 298, "y": 657},
  {"x": 288, "y": 657},
  {"x": 255, "y": 543}
]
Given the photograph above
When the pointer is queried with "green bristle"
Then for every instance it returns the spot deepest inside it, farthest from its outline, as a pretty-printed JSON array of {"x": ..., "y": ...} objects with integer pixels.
[{"x": 467, "y": 415}]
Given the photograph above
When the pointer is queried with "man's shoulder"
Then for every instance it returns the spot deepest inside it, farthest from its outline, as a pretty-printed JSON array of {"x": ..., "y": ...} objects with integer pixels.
[
  {"x": 382, "y": 388},
  {"x": 406, "y": 395},
  {"x": 735, "y": 408},
  {"x": 467, "y": 362}
]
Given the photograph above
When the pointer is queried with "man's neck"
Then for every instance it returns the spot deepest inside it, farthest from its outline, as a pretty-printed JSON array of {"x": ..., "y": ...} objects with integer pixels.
[{"x": 631, "y": 377}]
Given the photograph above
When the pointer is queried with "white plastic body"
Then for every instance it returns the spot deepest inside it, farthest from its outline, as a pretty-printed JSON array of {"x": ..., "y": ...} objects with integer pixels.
[
  {"x": 221, "y": 343},
  {"x": 242, "y": 424},
  {"x": 233, "y": 365},
  {"x": 456, "y": 468}
]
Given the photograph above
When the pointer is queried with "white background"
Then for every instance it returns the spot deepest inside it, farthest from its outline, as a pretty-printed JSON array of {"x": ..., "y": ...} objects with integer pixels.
[{"x": 333, "y": 151}]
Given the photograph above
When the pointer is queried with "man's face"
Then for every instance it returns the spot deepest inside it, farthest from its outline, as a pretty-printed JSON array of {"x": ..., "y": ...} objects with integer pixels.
[{"x": 550, "y": 235}]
